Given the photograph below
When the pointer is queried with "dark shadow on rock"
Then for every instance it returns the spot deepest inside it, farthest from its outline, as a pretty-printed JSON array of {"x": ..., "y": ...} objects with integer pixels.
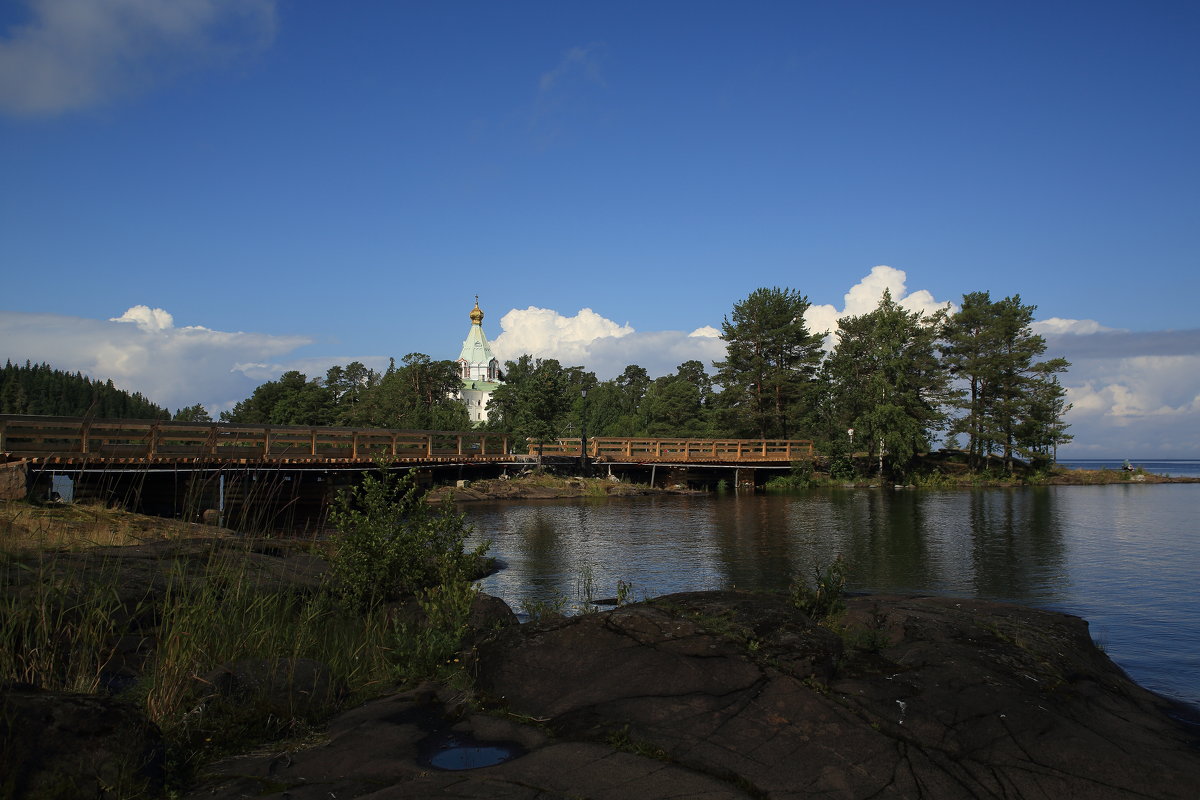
[
  {"x": 65, "y": 746},
  {"x": 735, "y": 695},
  {"x": 910, "y": 697}
]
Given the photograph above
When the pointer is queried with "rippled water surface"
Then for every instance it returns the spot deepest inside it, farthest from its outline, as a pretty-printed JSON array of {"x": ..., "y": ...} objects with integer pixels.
[{"x": 1125, "y": 557}]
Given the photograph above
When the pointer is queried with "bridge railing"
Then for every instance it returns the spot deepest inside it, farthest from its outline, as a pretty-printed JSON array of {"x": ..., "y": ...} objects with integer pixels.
[
  {"x": 648, "y": 449},
  {"x": 41, "y": 436}
]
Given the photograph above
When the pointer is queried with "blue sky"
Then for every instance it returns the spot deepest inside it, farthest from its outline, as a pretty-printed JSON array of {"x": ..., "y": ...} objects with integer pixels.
[{"x": 265, "y": 185}]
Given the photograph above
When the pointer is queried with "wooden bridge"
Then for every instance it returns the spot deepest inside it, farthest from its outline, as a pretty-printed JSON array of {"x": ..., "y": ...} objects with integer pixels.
[
  {"x": 685, "y": 451},
  {"x": 72, "y": 441},
  {"x": 285, "y": 476}
]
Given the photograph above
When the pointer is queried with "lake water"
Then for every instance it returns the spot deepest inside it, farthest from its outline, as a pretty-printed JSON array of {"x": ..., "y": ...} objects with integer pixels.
[{"x": 1124, "y": 557}]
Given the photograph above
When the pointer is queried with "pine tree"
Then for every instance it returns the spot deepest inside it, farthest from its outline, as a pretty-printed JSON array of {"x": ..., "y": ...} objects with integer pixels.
[
  {"x": 770, "y": 362},
  {"x": 1013, "y": 403},
  {"x": 886, "y": 381}
]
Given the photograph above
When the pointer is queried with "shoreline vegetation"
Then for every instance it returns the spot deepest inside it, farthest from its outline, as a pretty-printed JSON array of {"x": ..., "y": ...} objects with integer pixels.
[
  {"x": 934, "y": 471},
  {"x": 950, "y": 469}
]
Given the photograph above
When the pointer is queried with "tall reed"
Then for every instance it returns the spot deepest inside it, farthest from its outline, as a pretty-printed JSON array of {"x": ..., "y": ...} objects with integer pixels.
[
  {"x": 68, "y": 620},
  {"x": 57, "y": 631}
]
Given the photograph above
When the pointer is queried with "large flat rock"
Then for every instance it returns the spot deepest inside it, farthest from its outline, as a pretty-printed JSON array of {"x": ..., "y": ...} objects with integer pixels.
[{"x": 723, "y": 695}]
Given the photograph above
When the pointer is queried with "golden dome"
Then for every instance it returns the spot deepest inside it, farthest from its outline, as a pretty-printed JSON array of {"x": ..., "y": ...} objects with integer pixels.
[{"x": 476, "y": 313}]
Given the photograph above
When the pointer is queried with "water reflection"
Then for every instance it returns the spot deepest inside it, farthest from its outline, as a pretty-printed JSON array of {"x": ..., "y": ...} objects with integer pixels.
[
  {"x": 1002, "y": 544},
  {"x": 1124, "y": 557},
  {"x": 1017, "y": 546}
]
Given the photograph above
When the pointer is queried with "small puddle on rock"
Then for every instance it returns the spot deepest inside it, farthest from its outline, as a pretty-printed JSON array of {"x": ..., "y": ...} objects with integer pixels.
[{"x": 456, "y": 751}]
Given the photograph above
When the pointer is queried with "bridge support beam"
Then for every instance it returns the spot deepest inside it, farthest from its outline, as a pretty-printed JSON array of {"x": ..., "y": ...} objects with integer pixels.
[
  {"x": 744, "y": 479},
  {"x": 676, "y": 478}
]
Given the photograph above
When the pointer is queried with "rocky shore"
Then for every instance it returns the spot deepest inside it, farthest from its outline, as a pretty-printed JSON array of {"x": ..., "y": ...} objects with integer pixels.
[
  {"x": 733, "y": 695},
  {"x": 698, "y": 695}
]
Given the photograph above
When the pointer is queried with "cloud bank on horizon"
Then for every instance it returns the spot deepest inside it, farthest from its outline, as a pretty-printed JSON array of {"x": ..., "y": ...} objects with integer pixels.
[
  {"x": 143, "y": 351},
  {"x": 1135, "y": 394}
]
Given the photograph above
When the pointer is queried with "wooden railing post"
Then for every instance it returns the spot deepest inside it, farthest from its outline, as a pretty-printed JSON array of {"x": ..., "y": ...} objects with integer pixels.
[
  {"x": 266, "y": 442},
  {"x": 152, "y": 442}
]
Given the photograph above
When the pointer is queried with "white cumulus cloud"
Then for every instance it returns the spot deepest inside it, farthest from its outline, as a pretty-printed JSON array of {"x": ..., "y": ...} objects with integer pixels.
[
  {"x": 547, "y": 334},
  {"x": 863, "y": 297},
  {"x": 598, "y": 344},
  {"x": 146, "y": 318},
  {"x": 73, "y": 54}
]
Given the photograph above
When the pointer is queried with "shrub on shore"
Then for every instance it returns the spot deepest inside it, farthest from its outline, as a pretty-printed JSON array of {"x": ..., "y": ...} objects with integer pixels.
[
  {"x": 73, "y": 624},
  {"x": 391, "y": 543}
]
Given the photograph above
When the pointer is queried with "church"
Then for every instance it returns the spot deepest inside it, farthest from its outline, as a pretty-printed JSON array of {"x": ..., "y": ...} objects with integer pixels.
[{"x": 478, "y": 368}]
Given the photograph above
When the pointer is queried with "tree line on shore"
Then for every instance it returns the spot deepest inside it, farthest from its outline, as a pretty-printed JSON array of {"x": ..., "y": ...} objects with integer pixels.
[
  {"x": 40, "y": 389},
  {"x": 893, "y": 383}
]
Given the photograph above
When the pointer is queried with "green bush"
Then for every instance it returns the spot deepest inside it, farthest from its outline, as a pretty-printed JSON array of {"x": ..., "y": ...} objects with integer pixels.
[
  {"x": 800, "y": 477},
  {"x": 392, "y": 543},
  {"x": 428, "y": 648},
  {"x": 823, "y": 597},
  {"x": 841, "y": 468},
  {"x": 64, "y": 624}
]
